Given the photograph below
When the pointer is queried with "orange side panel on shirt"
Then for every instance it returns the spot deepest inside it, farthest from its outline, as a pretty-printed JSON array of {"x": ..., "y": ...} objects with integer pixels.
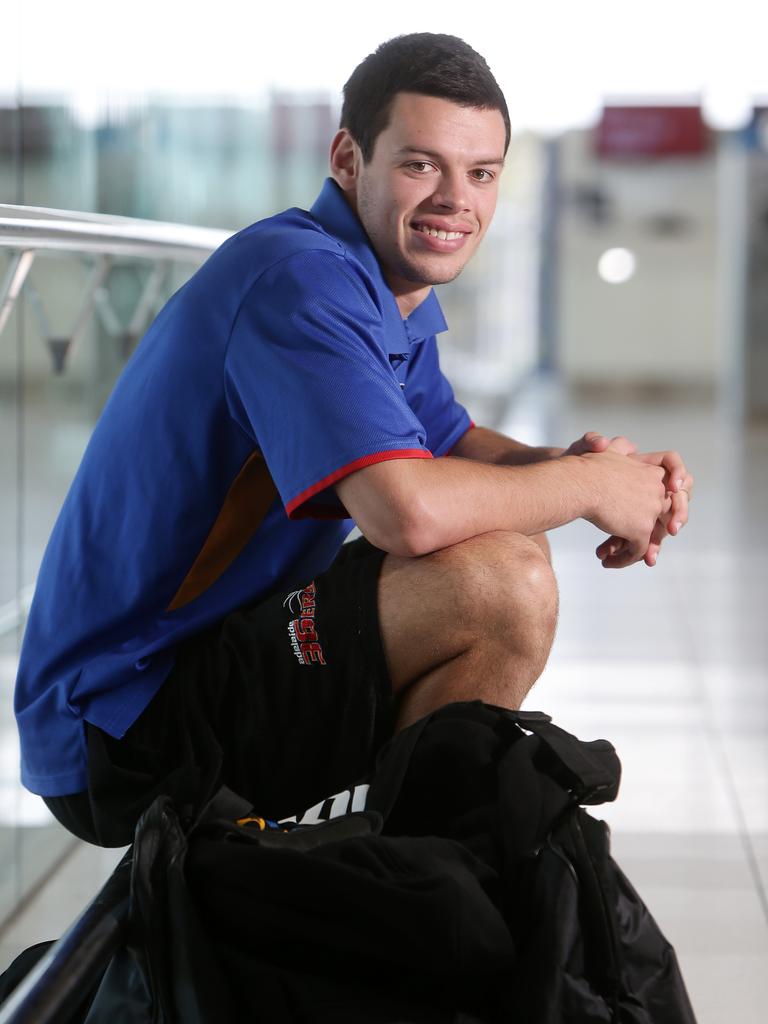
[{"x": 244, "y": 508}]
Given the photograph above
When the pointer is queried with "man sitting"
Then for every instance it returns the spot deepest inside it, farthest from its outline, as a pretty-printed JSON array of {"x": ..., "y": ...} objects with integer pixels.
[{"x": 196, "y": 618}]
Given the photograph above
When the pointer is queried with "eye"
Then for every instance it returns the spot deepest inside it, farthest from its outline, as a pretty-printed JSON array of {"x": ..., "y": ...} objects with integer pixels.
[
  {"x": 482, "y": 175},
  {"x": 420, "y": 166}
]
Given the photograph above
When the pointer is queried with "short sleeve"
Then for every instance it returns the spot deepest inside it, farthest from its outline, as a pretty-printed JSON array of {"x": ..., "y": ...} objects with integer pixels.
[
  {"x": 431, "y": 397},
  {"x": 308, "y": 379}
]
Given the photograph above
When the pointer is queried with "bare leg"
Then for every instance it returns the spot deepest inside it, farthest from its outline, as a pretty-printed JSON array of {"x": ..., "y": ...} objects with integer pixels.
[
  {"x": 473, "y": 621},
  {"x": 543, "y": 542}
]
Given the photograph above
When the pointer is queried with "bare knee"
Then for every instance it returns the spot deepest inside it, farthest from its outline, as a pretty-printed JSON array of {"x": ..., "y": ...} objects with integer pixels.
[
  {"x": 485, "y": 613},
  {"x": 491, "y": 598},
  {"x": 503, "y": 580}
]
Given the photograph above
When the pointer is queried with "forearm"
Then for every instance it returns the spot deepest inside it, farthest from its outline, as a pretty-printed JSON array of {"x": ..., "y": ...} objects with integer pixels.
[
  {"x": 412, "y": 507},
  {"x": 484, "y": 445}
]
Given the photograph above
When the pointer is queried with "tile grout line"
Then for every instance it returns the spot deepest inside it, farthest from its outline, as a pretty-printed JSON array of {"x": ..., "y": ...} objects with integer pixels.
[{"x": 746, "y": 838}]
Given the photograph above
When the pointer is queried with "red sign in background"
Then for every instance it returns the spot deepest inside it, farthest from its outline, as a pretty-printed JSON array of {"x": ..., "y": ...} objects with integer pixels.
[{"x": 651, "y": 132}]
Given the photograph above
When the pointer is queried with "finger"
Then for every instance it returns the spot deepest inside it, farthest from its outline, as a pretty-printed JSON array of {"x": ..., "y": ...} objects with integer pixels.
[
  {"x": 627, "y": 554},
  {"x": 609, "y": 547},
  {"x": 651, "y": 556},
  {"x": 622, "y": 559},
  {"x": 673, "y": 466},
  {"x": 592, "y": 441},
  {"x": 678, "y": 513},
  {"x": 658, "y": 534},
  {"x": 623, "y": 446}
]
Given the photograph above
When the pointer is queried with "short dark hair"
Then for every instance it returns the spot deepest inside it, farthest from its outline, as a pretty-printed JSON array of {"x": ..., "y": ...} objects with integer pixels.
[{"x": 429, "y": 63}]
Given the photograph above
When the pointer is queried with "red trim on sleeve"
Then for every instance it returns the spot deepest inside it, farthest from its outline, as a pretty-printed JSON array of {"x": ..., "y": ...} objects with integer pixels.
[{"x": 351, "y": 467}]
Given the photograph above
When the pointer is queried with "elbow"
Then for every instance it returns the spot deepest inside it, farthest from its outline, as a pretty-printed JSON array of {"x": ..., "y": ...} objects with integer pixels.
[
  {"x": 407, "y": 533},
  {"x": 421, "y": 537},
  {"x": 394, "y": 507},
  {"x": 407, "y": 543}
]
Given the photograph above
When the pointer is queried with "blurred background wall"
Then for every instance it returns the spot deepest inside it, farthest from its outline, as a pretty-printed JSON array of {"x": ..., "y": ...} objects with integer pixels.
[{"x": 629, "y": 254}]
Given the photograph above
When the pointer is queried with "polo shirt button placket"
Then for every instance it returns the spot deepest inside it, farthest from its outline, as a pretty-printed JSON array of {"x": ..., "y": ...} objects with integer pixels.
[{"x": 397, "y": 362}]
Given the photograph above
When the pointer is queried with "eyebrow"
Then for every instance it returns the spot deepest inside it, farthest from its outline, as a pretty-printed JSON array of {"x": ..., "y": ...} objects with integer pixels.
[{"x": 418, "y": 151}]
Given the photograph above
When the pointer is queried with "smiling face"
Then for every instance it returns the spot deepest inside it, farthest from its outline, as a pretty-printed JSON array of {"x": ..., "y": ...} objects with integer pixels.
[{"x": 428, "y": 194}]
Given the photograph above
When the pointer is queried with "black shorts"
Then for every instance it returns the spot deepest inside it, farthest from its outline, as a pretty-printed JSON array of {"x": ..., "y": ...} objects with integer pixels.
[{"x": 286, "y": 702}]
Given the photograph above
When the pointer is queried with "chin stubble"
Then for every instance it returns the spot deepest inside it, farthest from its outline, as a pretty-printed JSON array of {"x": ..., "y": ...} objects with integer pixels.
[{"x": 404, "y": 268}]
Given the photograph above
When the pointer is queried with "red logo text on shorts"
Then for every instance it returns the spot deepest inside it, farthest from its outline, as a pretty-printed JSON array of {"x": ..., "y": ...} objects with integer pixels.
[{"x": 302, "y": 630}]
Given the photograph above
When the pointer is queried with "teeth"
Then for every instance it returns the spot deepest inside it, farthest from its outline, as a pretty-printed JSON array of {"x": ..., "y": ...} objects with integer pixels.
[{"x": 444, "y": 235}]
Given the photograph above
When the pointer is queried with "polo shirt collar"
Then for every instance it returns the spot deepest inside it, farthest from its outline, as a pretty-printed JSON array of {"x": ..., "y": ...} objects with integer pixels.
[{"x": 333, "y": 212}]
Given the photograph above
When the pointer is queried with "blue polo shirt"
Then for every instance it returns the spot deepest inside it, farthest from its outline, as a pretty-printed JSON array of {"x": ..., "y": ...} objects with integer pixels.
[{"x": 279, "y": 368}]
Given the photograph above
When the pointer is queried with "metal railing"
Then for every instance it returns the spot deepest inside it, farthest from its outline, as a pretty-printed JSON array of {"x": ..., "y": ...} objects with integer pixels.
[
  {"x": 37, "y": 228},
  {"x": 57, "y": 985},
  {"x": 28, "y": 232}
]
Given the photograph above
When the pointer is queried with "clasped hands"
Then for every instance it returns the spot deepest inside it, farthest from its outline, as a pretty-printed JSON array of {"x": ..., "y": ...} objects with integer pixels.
[{"x": 617, "y": 552}]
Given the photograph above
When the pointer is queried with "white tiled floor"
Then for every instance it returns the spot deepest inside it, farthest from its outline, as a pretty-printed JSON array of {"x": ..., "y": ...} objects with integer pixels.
[
  {"x": 669, "y": 663},
  {"x": 56, "y": 905}
]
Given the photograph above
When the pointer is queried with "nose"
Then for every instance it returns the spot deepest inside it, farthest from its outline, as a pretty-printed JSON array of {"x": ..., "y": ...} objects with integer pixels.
[{"x": 451, "y": 193}]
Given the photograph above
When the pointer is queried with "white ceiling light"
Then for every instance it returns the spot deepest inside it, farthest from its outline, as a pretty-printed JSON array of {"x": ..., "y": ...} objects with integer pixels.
[{"x": 616, "y": 266}]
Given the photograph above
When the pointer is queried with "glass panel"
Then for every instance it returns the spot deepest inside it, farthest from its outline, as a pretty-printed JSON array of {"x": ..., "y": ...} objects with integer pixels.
[
  {"x": 9, "y": 523},
  {"x": 9, "y": 442}
]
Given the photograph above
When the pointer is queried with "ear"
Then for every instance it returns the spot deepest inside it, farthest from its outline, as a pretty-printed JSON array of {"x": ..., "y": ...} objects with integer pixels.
[{"x": 345, "y": 161}]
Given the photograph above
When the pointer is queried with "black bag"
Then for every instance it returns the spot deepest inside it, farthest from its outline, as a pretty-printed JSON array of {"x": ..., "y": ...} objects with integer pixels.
[{"x": 462, "y": 883}]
